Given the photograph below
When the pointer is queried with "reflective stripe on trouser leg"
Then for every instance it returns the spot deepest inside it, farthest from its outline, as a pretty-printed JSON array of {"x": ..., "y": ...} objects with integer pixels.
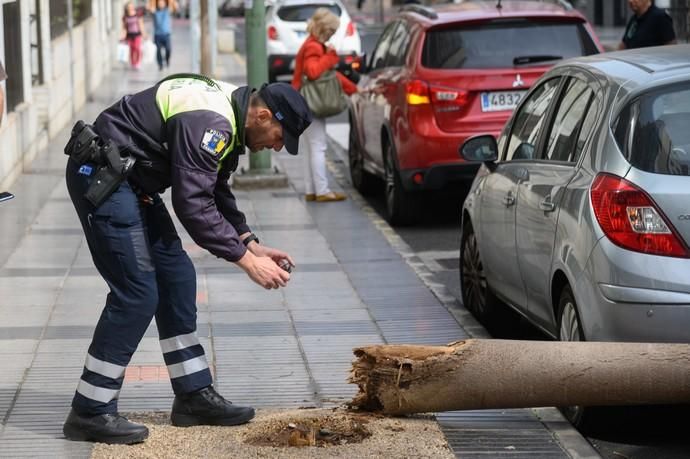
[
  {"x": 100, "y": 384},
  {"x": 187, "y": 364}
]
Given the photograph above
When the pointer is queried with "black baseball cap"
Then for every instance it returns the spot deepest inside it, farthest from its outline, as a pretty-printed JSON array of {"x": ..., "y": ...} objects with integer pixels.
[{"x": 290, "y": 109}]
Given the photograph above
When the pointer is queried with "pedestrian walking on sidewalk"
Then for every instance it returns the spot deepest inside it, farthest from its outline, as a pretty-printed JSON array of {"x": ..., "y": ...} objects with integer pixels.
[
  {"x": 313, "y": 59},
  {"x": 161, "y": 31},
  {"x": 185, "y": 133},
  {"x": 649, "y": 26},
  {"x": 134, "y": 33}
]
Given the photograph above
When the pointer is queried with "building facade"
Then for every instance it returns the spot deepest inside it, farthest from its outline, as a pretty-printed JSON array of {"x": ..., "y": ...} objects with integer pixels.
[{"x": 55, "y": 53}]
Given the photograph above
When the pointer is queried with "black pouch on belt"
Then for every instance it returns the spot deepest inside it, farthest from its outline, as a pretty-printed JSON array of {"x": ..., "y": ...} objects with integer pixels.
[
  {"x": 109, "y": 176},
  {"x": 83, "y": 145}
]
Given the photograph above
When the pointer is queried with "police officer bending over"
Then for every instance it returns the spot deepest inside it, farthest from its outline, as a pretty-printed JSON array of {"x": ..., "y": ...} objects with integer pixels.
[{"x": 185, "y": 133}]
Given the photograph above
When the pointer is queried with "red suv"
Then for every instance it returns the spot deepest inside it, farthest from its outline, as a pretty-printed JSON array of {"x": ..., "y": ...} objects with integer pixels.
[{"x": 438, "y": 76}]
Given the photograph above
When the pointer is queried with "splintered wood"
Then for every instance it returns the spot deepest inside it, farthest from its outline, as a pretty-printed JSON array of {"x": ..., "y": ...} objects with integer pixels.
[{"x": 482, "y": 374}]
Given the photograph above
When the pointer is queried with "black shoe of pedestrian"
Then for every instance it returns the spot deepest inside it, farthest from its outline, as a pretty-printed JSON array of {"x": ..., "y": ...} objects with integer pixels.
[
  {"x": 207, "y": 407},
  {"x": 112, "y": 429}
]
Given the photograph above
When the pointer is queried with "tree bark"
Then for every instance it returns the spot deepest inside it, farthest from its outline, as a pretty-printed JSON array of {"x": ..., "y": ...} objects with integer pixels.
[{"x": 480, "y": 374}]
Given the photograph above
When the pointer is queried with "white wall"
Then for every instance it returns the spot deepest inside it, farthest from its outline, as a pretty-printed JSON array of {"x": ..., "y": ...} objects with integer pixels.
[{"x": 73, "y": 66}]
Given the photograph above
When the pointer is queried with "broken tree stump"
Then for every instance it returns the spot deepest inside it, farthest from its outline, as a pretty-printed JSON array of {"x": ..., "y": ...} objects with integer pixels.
[{"x": 487, "y": 373}]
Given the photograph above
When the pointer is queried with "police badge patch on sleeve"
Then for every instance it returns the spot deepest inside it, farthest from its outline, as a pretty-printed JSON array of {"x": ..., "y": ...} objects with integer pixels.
[{"x": 213, "y": 142}]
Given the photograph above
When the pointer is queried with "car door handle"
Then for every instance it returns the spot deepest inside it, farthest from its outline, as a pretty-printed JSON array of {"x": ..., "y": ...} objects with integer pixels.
[
  {"x": 509, "y": 199},
  {"x": 546, "y": 205}
]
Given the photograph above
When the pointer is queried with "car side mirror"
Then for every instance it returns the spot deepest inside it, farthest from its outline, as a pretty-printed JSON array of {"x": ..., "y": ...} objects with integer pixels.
[{"x": 480, "y": 148}]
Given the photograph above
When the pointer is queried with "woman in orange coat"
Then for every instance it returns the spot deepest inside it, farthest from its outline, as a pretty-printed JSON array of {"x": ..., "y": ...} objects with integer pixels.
[{"x": 312, "y": 60}]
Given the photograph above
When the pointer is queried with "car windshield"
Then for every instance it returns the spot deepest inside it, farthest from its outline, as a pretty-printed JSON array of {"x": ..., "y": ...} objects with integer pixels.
[
  {"x": 302, "y": 13},
  {"x": 660, "y": 141},
  {"x": 505, "y": 44}
]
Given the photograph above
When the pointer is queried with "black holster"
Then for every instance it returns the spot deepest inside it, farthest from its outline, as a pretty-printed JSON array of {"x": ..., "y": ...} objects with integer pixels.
[{"x": 85, "y": 146}]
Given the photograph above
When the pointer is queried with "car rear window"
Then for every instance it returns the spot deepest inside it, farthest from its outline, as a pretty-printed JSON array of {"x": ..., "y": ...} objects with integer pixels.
[
  {"x": 659, "y": 140},
  {"x": 302, "y": 13},
  {"x": 505, "y": 44}
]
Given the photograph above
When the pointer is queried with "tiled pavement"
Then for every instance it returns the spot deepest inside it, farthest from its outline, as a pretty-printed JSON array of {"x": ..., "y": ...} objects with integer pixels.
[{"x": 279, "y": 349}]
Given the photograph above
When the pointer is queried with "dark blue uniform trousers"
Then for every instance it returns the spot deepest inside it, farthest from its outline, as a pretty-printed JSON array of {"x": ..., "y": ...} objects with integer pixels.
[{"x": 137, "y": 250}]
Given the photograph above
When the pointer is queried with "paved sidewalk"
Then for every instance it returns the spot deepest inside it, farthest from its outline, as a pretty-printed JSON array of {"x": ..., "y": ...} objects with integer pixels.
[{"x": 273, "y": 349}]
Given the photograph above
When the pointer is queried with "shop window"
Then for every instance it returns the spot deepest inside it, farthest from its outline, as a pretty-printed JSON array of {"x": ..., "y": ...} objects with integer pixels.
[
  {"x": 59, "y": 11},
  {"x": 35, "y": 38},
  {"x": 13, "y": 55}
]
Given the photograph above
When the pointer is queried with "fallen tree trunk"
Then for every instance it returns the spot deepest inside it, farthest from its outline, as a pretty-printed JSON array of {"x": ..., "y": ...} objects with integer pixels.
[{"x": 479, "y": 374}]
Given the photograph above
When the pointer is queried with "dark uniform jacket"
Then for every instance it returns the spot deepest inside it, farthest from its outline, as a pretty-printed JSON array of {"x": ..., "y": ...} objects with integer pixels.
[{"x": 187, "y": 134}]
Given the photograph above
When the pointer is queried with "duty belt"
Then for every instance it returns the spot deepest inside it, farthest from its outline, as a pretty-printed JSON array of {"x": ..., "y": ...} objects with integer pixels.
[{"x": 86, "y": 146}]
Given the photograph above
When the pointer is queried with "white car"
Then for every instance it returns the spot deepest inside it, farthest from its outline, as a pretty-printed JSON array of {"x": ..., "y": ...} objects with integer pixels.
[{"x": 286, "y": 27}]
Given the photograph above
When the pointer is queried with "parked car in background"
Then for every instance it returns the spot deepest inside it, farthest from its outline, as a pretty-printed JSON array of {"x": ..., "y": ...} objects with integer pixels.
[
  {"x": 438, "y": 76},
  {"x": 231, "y": 8},
  {"x": 286, "y": 27},
  {"x": 583, "y": 224}
]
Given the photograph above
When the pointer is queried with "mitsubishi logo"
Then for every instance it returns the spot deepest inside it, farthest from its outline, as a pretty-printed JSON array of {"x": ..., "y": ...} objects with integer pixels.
[{"x": 518, "y": 81}]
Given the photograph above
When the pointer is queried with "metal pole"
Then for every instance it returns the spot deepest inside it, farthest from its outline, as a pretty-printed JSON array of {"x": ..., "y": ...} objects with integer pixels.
[
  {"x": 213, "y": 34},
  {"x": 205, "y": 40},
  {"x": 194, "y": 35},
  {"x": 257, "y": 66}
]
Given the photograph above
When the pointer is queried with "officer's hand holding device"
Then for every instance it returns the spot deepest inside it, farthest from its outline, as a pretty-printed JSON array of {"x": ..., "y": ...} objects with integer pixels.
[{"x": 278, "y": 258}]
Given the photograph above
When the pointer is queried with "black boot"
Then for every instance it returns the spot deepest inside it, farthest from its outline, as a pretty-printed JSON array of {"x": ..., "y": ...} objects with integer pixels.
[
  {"x": 103, "y": 428},
  {"x": 207, "y": 407}
]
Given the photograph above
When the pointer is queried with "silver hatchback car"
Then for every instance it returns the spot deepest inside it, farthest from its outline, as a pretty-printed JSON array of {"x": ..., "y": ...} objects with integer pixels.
[{"x": 579, "y": 218}]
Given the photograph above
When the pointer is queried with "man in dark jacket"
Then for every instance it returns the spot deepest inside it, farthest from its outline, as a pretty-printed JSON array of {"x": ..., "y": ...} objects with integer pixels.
[
  {"x": 185, "y": 133},
  {"x": 650, "y": 26}
]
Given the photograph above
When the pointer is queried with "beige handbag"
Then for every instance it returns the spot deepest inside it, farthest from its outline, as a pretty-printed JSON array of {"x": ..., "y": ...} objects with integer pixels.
[{"x": 325, "y": 96}]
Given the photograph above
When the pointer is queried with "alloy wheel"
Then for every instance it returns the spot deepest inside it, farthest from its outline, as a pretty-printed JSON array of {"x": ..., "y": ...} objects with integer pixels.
[
  {"x": 356, "y": 160},
  {"x": 474, "y": 285},
  {"x": 570, "y": 330},
  {"x": 570, "y": 325},
  {"x": 391, "y": 190}
]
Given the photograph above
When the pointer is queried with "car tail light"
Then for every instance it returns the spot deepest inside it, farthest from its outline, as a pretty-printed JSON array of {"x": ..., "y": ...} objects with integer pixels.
[
  {"x": 417, "y": 92},
  {"x": 444, "y": 99},
  {"x": 272, "y": 33},
  {"x": 350, "y": 31},
  {"x": 630, "y": 219}
]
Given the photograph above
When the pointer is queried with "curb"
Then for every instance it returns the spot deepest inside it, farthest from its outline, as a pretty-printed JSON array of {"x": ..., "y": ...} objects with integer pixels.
[
  {"x": 261, "y": 179},
  {"x": 572, "y": 442}
]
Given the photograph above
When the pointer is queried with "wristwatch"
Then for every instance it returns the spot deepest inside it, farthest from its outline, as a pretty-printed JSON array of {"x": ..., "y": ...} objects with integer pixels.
[{"x": 250, "y": 238}]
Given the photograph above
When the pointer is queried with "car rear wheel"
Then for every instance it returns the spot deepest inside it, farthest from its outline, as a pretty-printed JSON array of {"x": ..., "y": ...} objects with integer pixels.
[
  {"x": 363, "y": 181},
  {"x": 402, "y": 207},
  {"x": 569, "y": 329},
  {"x": 476, "y": 293}
]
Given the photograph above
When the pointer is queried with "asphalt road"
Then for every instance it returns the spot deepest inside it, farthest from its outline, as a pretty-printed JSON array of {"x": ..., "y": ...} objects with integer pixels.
[{"x": 618, "y": 433}]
